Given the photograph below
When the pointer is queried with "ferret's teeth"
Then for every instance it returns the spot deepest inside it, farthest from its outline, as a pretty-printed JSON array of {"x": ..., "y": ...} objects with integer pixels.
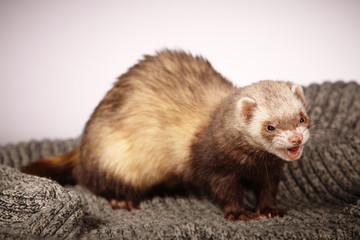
[
  {"x": 290, "y": 154},
  {"x": 293, "y": 153}
]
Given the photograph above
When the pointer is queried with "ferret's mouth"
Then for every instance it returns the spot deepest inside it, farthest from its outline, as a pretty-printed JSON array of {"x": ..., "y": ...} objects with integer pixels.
[{"x": 292, "y": 153}]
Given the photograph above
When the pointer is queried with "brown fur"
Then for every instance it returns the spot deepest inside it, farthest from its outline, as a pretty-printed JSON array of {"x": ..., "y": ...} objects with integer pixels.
[
  {"x": 146, "y": 124},
  {"x": 58, "y": 168},
  {"x": 226, "y": 165},
  {"x": 171, "y": 119}
]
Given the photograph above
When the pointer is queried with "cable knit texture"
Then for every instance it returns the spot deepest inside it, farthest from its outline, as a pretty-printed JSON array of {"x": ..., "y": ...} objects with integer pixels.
[{"x": 321, "y": 191}]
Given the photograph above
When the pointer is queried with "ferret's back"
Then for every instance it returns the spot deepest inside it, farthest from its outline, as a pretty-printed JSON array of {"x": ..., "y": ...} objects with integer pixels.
[{"x": 145, "y": 125}]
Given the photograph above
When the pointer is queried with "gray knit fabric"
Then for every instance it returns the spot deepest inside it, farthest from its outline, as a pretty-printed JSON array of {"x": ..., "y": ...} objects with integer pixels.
[{"x": 321, "y": 191}]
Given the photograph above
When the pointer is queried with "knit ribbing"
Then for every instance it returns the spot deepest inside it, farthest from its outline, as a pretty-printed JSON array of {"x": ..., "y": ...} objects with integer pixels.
[{"x": 321, "y": 191}]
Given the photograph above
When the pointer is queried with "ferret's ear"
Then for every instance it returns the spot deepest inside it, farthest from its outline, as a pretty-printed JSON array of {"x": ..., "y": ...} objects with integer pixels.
[
  {"x": 245, "y": 108},
  {"x": 298, "y": 91}
]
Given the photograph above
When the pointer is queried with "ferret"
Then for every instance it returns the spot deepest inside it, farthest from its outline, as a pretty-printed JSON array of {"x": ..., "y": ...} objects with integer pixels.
[{"x": 173, "y": 118}]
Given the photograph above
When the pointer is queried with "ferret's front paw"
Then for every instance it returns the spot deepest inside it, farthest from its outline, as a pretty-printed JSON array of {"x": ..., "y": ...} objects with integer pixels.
[
  {"x": 271, "y": 212},
  {"x": 243, "y": 216}
]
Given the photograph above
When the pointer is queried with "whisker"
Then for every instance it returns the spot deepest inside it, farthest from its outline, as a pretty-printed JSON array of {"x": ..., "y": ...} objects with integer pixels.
[
  {"x": 318, "y": 142},
  {"x": 327, "y": 120},
  {"x": 347, "y": 135}
]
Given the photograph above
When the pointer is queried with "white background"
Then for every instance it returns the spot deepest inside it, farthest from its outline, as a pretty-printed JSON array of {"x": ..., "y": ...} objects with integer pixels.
[{"x": 58, "y": 58}]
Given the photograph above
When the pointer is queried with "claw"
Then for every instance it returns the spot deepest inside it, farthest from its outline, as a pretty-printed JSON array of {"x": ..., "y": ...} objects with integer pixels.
[
  {"x": 271, "y": 212},
  {"x": 244, "y": 216},
  {"x": 122, "y": 204}
]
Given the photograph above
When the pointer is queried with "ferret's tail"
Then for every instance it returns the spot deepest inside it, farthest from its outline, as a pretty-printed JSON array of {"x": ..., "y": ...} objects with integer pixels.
[{"x": 58, "y": 168}]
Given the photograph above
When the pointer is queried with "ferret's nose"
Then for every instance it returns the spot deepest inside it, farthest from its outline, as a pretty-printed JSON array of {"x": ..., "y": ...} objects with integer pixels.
[{"x": 296, "y": 138}]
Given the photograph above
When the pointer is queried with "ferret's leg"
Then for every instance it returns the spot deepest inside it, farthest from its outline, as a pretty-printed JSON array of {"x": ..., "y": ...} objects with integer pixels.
[
  {"x": 228, "y": 193},
  {"x": 119, "y": 195},
  {"x": 266, "y": 195},
  {"x": 124, "y": 196}
]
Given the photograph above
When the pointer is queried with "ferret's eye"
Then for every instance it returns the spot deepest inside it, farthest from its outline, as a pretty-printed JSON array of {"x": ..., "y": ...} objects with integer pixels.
[
  {"x": 302, "y": 120},
  {"x": 270, "y": 128}
]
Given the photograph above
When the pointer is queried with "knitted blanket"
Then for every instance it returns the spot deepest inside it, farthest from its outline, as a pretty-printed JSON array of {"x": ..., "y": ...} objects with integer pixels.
[{"x": 321, "y": 191}]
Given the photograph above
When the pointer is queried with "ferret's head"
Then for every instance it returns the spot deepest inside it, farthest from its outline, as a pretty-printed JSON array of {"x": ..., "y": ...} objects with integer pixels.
[{"x": 273, "y": 116}]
